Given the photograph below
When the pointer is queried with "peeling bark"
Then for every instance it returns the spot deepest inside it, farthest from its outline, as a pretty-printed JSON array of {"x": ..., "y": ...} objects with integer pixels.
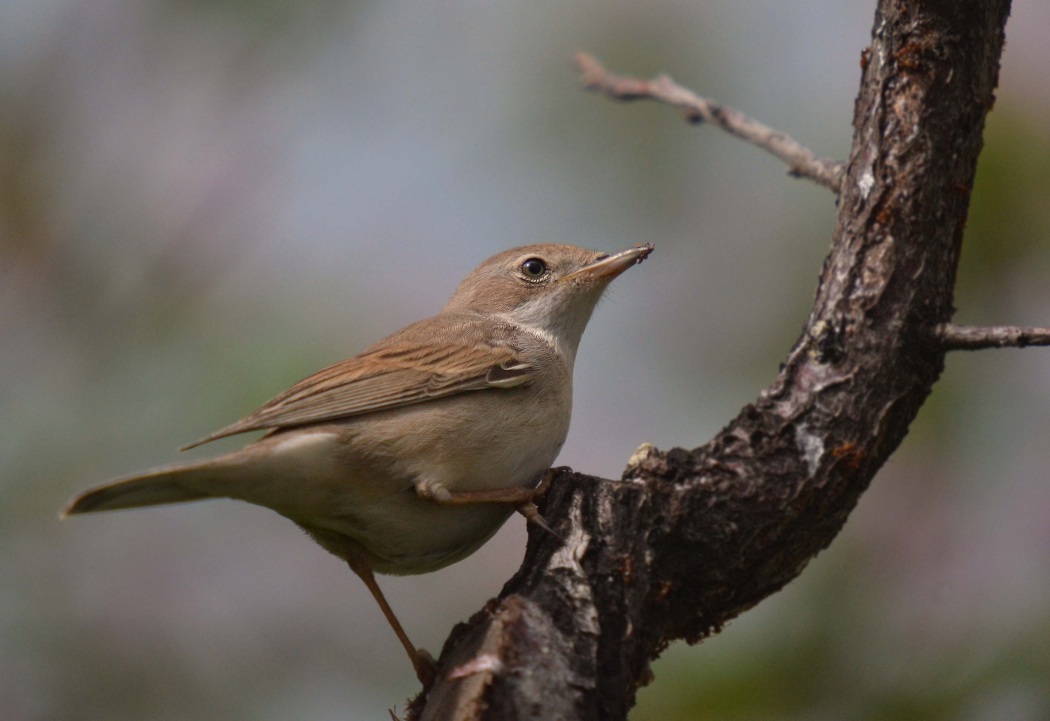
[{"x": 689, "y": 539}]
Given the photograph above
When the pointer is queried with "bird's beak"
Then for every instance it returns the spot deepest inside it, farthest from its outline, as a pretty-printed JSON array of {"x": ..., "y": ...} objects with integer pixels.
[{"x": 611, "y": 265}]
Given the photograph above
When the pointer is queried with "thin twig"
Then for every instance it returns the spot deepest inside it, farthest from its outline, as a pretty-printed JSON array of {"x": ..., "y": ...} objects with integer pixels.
[
  {"x": 972, "y": 337},
  {"x": 801, "y": 161}
]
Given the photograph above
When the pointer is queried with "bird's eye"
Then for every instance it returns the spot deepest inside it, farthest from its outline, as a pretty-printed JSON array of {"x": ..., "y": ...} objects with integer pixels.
[{"x": 534, "y": 268}]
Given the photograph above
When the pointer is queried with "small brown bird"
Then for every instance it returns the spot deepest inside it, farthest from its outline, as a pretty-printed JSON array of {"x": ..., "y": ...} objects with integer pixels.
[{"x": 410, "y": 456}]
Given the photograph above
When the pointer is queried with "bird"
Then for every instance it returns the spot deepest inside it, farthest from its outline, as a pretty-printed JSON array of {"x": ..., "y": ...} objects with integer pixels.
[{"x": 410, "y": 456}]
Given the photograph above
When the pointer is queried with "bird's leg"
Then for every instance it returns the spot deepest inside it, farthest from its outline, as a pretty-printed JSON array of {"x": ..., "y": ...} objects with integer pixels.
[
  {"x": 422, "y": 662},
  {"x": 523, "y": 499}
]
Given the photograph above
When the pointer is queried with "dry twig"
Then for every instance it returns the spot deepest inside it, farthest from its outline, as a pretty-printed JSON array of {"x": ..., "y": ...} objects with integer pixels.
[
  {"x": 972, "y": 337},
  {"x": 801, "y": 161}
]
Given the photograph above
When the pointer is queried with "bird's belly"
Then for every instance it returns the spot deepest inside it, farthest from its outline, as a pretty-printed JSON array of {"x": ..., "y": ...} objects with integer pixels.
[
  {"x": 364, "y": 494},
  {"x": 405, "y": 534}
]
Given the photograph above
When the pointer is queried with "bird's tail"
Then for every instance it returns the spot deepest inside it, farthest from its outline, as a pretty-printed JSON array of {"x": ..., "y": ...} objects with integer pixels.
[{"x": 169, "y": 484}]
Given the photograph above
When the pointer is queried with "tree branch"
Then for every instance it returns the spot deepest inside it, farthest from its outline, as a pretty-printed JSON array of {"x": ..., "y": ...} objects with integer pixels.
[
  {"x": 972, "y": 337},
  {"x": 689, "y": 539},
  {"x": 801, "y": 161}
]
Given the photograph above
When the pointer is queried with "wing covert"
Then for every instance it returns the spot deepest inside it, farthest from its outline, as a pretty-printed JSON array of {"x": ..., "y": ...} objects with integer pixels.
[{"x": 398, "y": 371}]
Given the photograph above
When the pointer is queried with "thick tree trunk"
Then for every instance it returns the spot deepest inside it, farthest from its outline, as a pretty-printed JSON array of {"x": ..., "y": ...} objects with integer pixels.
[{"x": 688, "y": 539}]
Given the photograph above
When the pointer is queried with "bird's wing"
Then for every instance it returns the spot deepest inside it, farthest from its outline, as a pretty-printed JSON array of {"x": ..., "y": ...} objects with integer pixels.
[{"x": 406, "y": 368}]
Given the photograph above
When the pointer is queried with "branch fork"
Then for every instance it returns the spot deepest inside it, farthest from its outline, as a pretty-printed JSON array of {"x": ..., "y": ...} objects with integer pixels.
[{"x": 691, "y": 538}]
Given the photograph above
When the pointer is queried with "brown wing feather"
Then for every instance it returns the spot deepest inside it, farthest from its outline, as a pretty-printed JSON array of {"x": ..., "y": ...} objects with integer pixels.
[{"x": 401, "y": 370}]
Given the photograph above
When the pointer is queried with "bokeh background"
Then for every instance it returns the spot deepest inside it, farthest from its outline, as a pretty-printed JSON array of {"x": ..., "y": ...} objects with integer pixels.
[{"x": 203, "y": 201}]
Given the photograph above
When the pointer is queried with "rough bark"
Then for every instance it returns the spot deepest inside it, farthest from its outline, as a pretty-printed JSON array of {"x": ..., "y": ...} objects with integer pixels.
[{"x": 688, "y": 539}]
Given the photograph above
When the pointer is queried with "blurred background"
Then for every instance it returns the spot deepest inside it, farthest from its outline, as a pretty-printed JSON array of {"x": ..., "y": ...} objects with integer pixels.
[{"x": 201, "y": 202}]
